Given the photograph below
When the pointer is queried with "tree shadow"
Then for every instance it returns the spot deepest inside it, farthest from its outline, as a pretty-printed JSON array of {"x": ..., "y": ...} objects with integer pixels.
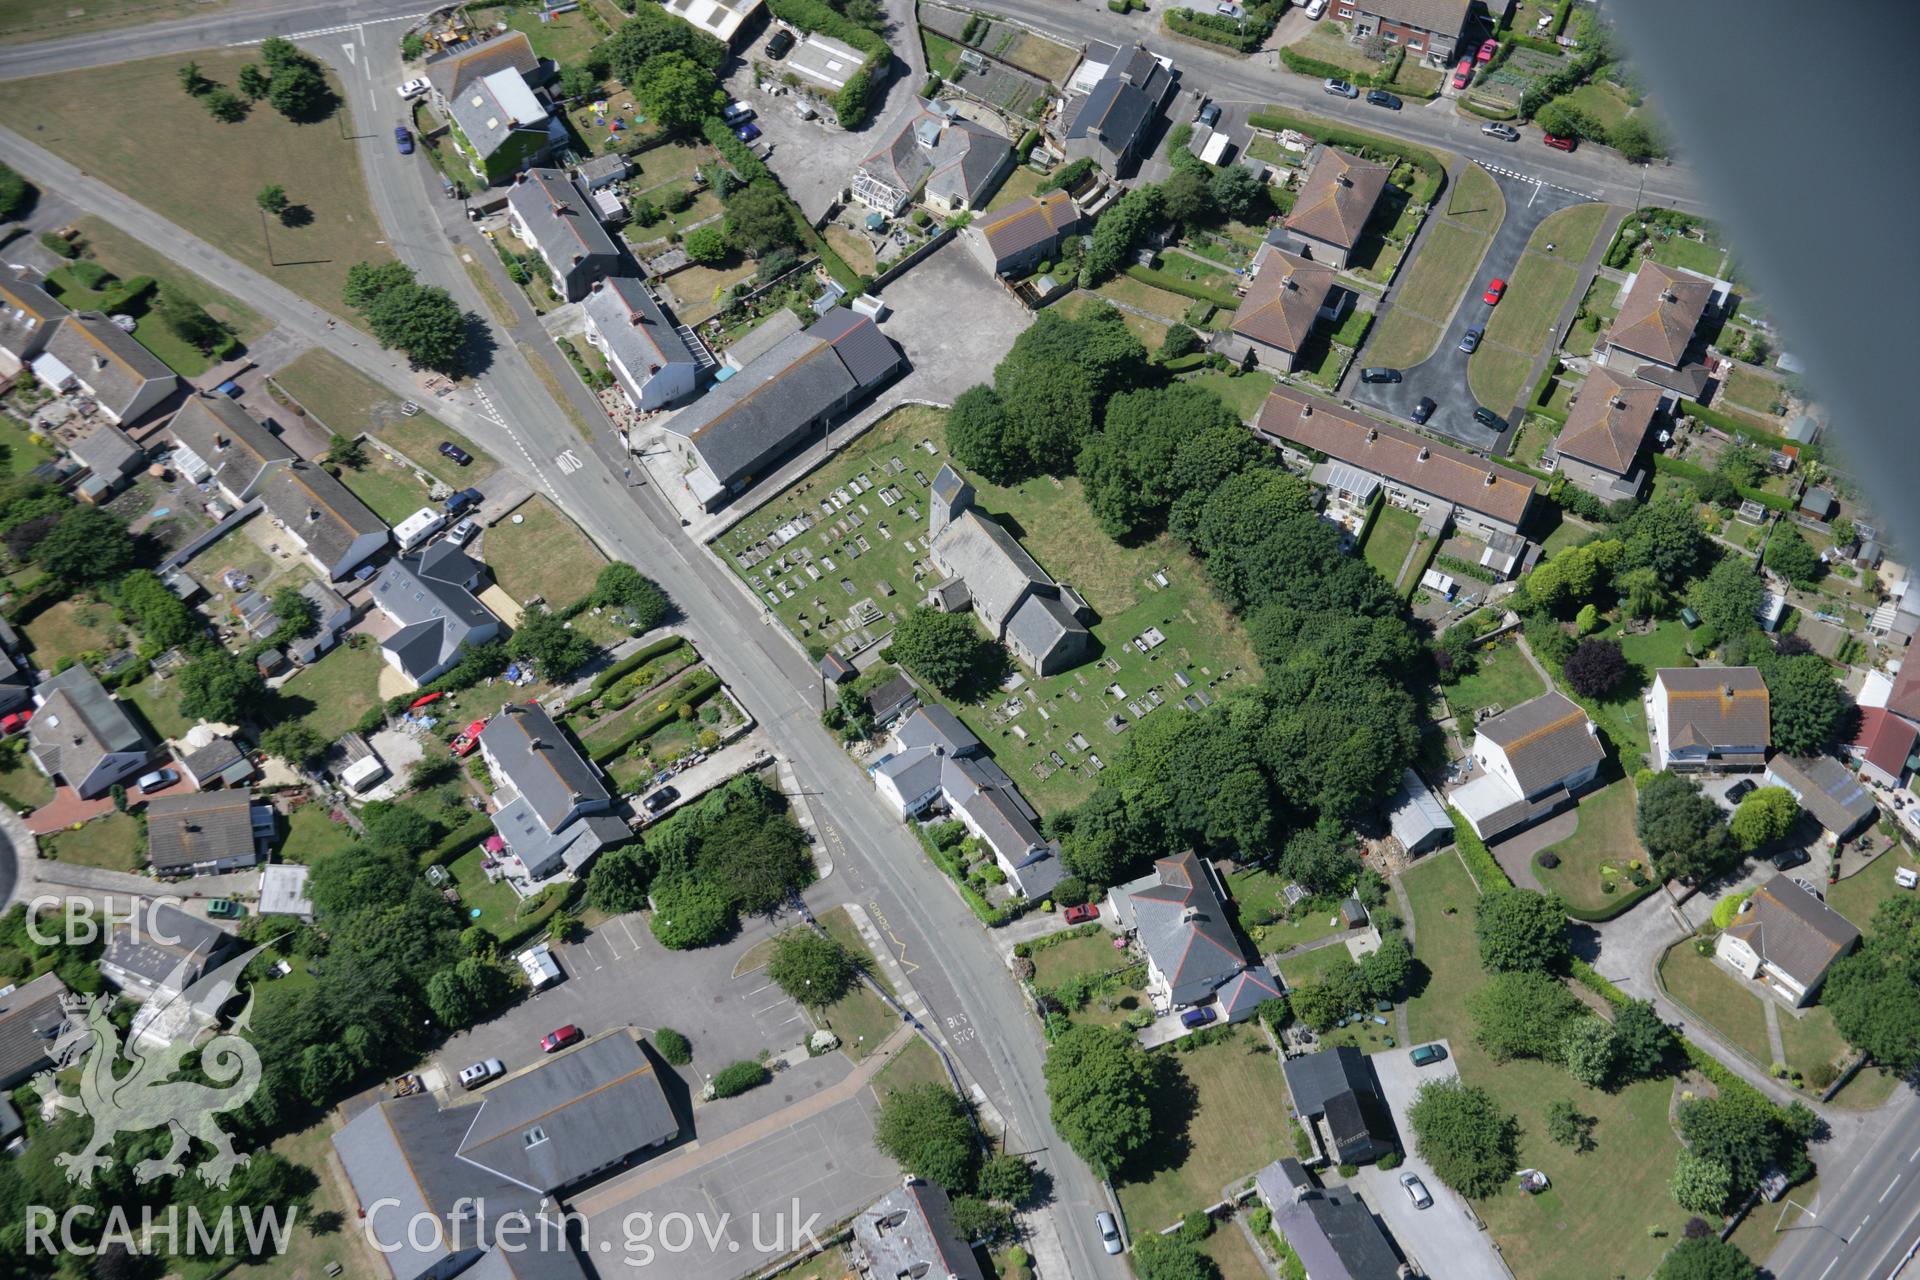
[
  {"x": 296, "y": 215},
  {"x": 1584, "y": 941},
  {"x": 1172, "y": 1100},
  {"x": 1419, "y": 977},
  {"x": 479, "y": 347}
]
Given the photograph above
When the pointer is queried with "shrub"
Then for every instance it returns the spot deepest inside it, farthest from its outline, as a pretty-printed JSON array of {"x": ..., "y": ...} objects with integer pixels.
[
  {"x": 59, "y": 245},
  {"x": 1391, "y": 1160},
  {"x": 1548, "y": 859},
  {"x": 673, "y": 1046},
  {"x": 731, "y": 1081}
]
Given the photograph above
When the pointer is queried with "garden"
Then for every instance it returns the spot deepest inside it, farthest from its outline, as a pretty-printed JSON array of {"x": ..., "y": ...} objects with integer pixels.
[
  {"x": 345, "y": 401},
  {"x": 538, "y": 553},
  {"x": 1502, "y": 677},
  {"x": 1601, "y": 869},
  {"x": 1813, "y": 1048},
  {"x": 113, "y": 842},
  {"x": 1390, "y": 540},
  {"x": 1081, "y": 971},
  {"x": 334, "y": 693},
  {"x": 1260, "y": 905}
]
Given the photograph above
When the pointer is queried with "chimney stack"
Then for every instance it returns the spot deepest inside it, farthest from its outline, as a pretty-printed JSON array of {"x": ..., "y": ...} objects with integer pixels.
[
  {"x": 1619, "y": 402},
  {"x": 595, "y": 286},
  {"x": 1306, "y": 410},
  {"x": 1373, "y": 433},
  {"x": 1424, "y": 451},
  {"x": 1491, "y": 477}
]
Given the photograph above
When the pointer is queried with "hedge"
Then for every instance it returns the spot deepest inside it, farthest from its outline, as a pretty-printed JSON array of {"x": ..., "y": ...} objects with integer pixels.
[
  {"x": 535, "y": 921},
  {"x": 626, "y": 667},
  {"x": 697, "y": 689},
  {"x": 738, "y": 1078},
  {"x": 1215, "y": 29},
  {"x": 988, "y": 914},
  {"x": 1479, "y": 862},
  {"x": 457, "y": 841},
  {"x": 1185, "y": 288},
  {"x": 1300, "y": 64},
  {"x": 1589, "y": 977},
  {"x": 1616, "y": 905},
  {"x": 1688, "y": 471},
  {"x": 1465, "y": 568},
  {"x": 1276, "y": 118},
  {"x": 1489, "y": 113},
  {"x": 1067, "y": 177},
  {"x": 749, "y": 166},
  {"x": 1731, "y": 425}
]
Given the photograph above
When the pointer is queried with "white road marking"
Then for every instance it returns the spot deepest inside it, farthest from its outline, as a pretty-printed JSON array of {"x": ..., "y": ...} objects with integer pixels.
[
  {"x": 770, "y": 1008},
  {"x": 568, "y": 462},
  {"x": 1889, "y": 1190},
  {"x": 1914, "y": 1156},
  {"x": 352, "y": 56},
  {"x": 1830, "y": 1266},
  {"x": 1526, "y": 177},
  {"x": 1863, "y": 1223},
  {"x": 332, "y": 31},
  {"x": 1534, "y": 196}
]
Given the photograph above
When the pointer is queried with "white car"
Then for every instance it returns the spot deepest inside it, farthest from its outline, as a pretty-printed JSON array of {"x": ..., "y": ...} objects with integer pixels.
[
  {"x": 1315, "y": 8},
  {"x": 463, "y": 533},
  {"x": 737, "y": 113},
  {"x": 1416, "y": 1191},
  {"x": 481, "y": 1072},
  {"x": 413, "y": 88}
]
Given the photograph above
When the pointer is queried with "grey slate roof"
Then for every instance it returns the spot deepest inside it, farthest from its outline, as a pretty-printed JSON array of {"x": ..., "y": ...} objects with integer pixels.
[
  {"x": 453, "y": 71},
  {"x": 1339, "y": 1084},
  {"x": 895, "y": 696},
  {"x": 228, "y": 439},
  {"x": 79, "y": 723},
  {"x": 559, "y": 216},
  {"x": 997, "y": 569},
  {"x": 763, "y": 337},
  {"x": 1545, "y": 739},
  {"x": 165, "y": 937},
  {"x": 429, "y": 596},
  {"x": 1336, "y": 1237},
  {"x": 574, "y": 1114},
  {"x": 108, "y": 452},
  {"x": 909, "y": 1232},
  {"x": 1029, "y": 221},
  {"x": 1442, "y": 17},
  {"x": 1415, "y": 814},
  {"x": 1793, "y": 930},
  {"x": 320, "y": 510},
  {"x": 489, "y": 111},
  {"x": 199, "y": 826},
  {"x": 30, "y": 1021},
  {"x": 755, "y": 416},
  {"x": 1041, "y": 624},
  {"x": 537, "y": 759},
  {"x": 1826, "y": 789},
  {"x": 867, "y": 353},
  {"x": 107, "y": 359},
  {"x": 633, "y": 325},
  {"x": 28, "y": 313},
  {"x": 1715, "y": 707},
  {"x": 1197, "y": 953},
  {"x": 955, "y": 157},
  {"x": 936, "y": 726}
]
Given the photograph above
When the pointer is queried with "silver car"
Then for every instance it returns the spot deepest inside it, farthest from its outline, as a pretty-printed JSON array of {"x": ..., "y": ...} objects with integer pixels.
[
  {"x": 1340, "y": 89},
  {"x": 481, "y": 1072},
  {"x": 463, "y": 533},
  {"x": 1416, "y": 1191},
  {"x": 1109, "y": 1231},
  {"x": 1504, "y": 132}
]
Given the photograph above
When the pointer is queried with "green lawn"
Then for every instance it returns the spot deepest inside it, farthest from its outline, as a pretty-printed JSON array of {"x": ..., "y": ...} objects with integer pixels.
[
  {"x": 1503, "y": 678},
  {"x": 22, "y": 452},
  {"x": 942, "y": 53},
  {"x": 1475, "y": 200},
  {"x": 1152, "y": 333},
  {"x": 543, "y": 555},
  {"x": 1219, "y": 1133},
  {"x": 313, "y": 835},
  {"x": 1446, "y": 261},
  {"x": 1622, "y": 717},
  {"x": 1571, "y": 231},
  {"x": 1538, "y": 289},
  {"x": 1498, "y": 375},
  {"x": 861, "y": 1019},
  {"x": 1599, "y": 850},
  {"x": 25, "y": 21},
  {"x": 1311, "y": 966},
  {"x": 134, "y": 129},
  {"x": 1021, "y": 183},
  {"x": 915, "y": 1063},
  {"x": 563, "y": 37},
  {"x": 1754, "y": 390},
  {"x": 1737, "y": 1010},
  {"x": 1244, "y": 393},
  {"x": 22, "y": 786},
  {"x": 1688, "y": 254},
  {"x": 1601, "y": 101},
  {"x": 391, "y": 490},
  {"x": 1260, "y": 905},
  {"x": 159, "y": 702},
  {"x": 1093, "y": 953},
  {"x": 345, "y": 400},
  {"x": 1231, "y": 1253},
  {"x": 1860, "y": 894},
  {"x": 309, "y": 1252},
  {"x": 1601, "y": 1204},
  {"x": 112, "y": 841},
  {"x": 496, "y": 901},
  {"x": 1390, "y": 539},
  {"x": 333, "y": 693},
  {"x": 73, "y": 628}
]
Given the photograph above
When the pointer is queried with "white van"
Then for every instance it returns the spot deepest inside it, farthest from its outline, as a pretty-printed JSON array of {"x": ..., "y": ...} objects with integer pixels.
[{"x": 418, "y": 527}]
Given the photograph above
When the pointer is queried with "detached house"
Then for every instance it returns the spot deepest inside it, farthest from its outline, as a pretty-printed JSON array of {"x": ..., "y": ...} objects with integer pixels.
[
  {"x": 1436, "y": 30},
  {"x": 1331, "y": 1231},
  {"x": 203, "y": 833},
  {"x": 90, "y": 355},
  {"x": 1660, "y": 310},
  {"x": 1340, "y": 1105},
  {"x": 1602, "y": 447},
  {"x": 958, "y": 162},
  {"x": 1709, "y": 718},
  {"x": 1884, "y": 747},
  {"x": 910, "y": 1232},
  {"x": 1193, "y": 958},
  {"x": 1826, "y": 789},
  {"x": 160, "y": 950},
  {"x": 1534, "y": 759},
  {"x": 333, "y": 529},
  {"x": 554, "y": 218},
  {"x": 1286, "y": 295},
  {"x": 31, "y": 1020},
  {"x": 488, "y": 92},
  {"x": 28, "y": 316},
  {"x": 551, "y": 806},
  {"x": 1111, "y": 123},
  {"x": 1334, "y": 204},
  {"x": 1785, "y": 939},
  {"x": 430, "y": 600},
  {"x": 1024, "y": 234},
  {"x": 655, "y": 361},
  {"x": 82, "y": 737}
]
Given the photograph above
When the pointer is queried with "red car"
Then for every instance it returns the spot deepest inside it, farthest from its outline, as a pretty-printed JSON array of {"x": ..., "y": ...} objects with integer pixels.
[
  {"x": 554, "y": 1041},
  {"x": 1561, "y": 144},
  {"x": 1463, "y": 73},
  {"x": 1082, "y": 914},
  {"x": 1494, "y": 290},
  {"x": 469, "y": 738},
  {"x": 14, "y": 722},
  {"x": 1487, "y": 51}
]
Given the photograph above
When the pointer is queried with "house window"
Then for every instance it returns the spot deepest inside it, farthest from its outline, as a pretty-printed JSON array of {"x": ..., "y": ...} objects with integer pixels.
[
  {"x": 1416, "y": 44},
  {"x": 1390, "y": 36}
]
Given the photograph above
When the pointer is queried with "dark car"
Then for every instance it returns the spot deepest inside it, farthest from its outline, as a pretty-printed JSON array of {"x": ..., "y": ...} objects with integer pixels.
[
  {"x": 1470, "y": 340},
  {"x": 451, "y": 450},
  {"x": 1209, "y": 114},
  {"x": 1428, "y": 1054},
  {"x": 747, "y": 132},
  {"x": 403, "y": 139},
  {"x": 1741, "y": 790},
  {"x": 1424, "y": 410},
  {"x": 780, "y": 45},
  {"x": 1379, "y": 375},
  {"x": 1198, "y": 1017},
  {"x": 1488, "y": 418},
  {"x": 660, "y": 799},
  {"x": 1381, "y": 98},
  {"x": 462, "y": 500},
  {"x": 1788, "y": 859}
]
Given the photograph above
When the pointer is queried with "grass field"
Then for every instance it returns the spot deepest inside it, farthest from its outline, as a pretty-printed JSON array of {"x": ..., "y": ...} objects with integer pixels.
[
  {"x": 1601, "y": 101},
  {"x": 1257, "y": 896},
  {"x": 1327, "y": 42},
  {"x": 310, "y": 1252},
  {"x": 1020, "y": 184},
  {"x": 564, "y": 37},
  {"x": 149, "y": 330},
  {"x": 695, "y": 288},
  {"x": 1688, "y": 254},
  {"x": 1604, "y": 836},
  {"x": 391, "y": 490},
  {"x": 1600, "y": 1205},
  {"x": 1504, "y": 678},
  {"x": 1203, "y": 639},
  {"x": 1753, "y": 390},
  {"x": 1390, "y": 539},
  {"x": 544, "y": 555},
  {"x": 21, "y": 452},
  {"x": 1217, "y": 1135},
  {"x": 1475, "y": 201},
  {"x": 1164, "y": 303},
  {"x": 1048, "y": 59},
  {"x": 25, "y": 21},
  {"x": 1740, "y": 1015},
  {"x": 496, "y": 901},
  {"x": 72, "y": 628},
  {"x": 1540, "y": 287},
  {"x": 132, "y": 127},
  {"x": 333, "y": 693},
  {"x": 1231, "y": 1253},
  {"x": 1152, "y": 333},
  {"x": 313, "y": 835},
  {"x": 347, "y": 401},
  {"x": 1860, "y": 894},
  {"x": 1076, "y": 957},
  {"x": 1622, "y": 717},
  {"x": 1244, "y": 393},
  {"x": 1429, "y": 291},
  {"x": 159, "y": 702},
  {"x": 111, "y": 841},
  {"x": 22, "y": 786},
  {"x": 127, "y": 257},
  {"x": 1497, "y": 375},
  {"x": 916, "y": 1063}
]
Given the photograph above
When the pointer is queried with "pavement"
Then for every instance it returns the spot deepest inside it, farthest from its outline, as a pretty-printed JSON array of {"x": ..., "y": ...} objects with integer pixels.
[{"x": 1865, "y": 1222}]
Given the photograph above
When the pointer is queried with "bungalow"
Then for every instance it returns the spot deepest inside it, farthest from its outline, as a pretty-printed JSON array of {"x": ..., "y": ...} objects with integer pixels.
[
  {"x": 554, "y": 218},
  {"x": 1024, "y": 233},
  {"x": 499, "y": 122},
  {"x": 1340, "y": 1105},
  {"x": 1331, "y": 1231},
  {"x": 1335, "y": 203},
  {"x": 334, "y": 530},
  {"x": 1709, "y": 718},
  {"x": 1284, "y": 297},
  {"x": 1660, "y": 310},
  {"x": 87, "y": 353},
  {"x": 1602, "y": 446},
  {"x": 159, "y": 950},
  {"x": 1417, "y": 473},
  {"x": 551, "y": 805},
  {"x": 1180, "y": 917},
  {"x": 31, "y": 1020},
  {"x": 1884, "y": 747},
  {"x": 1534, "y": 760},
  {"x": 1825, "y": 789},
  {"x": 1111, "y": 123},
  {"x": 110, "y": 457},
  {"x": 215, "y": 439},
  {"x": 958, "y": 162},
  {"x": 82, "y": 737},
  {"x": 28, "y": 316},
  {"x": 910, "y": 1232},
  {"x": 203, "y": 833},
  {"x": 1436, "y": 30},
  {"x": 1785, "y": 939},
  {"x": 654, "y": 360},
  {"x": 429, "y": 598}
]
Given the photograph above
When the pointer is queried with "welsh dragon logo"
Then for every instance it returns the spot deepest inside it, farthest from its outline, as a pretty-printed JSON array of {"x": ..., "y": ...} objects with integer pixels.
[{"x": 129, "y": 1088}]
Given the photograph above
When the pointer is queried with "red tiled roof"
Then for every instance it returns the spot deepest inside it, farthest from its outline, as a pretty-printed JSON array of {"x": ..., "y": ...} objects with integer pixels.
[{"x": 1885, "y": 740}]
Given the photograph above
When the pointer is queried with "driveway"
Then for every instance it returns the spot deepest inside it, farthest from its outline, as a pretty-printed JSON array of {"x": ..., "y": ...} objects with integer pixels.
[
  {"x": 1444, "y": 374},
  {"x": 1442, "y": 1240}
]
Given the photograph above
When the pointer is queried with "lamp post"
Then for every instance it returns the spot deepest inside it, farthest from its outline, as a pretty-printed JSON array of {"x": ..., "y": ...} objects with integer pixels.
[{"x": 267, "y": 237}]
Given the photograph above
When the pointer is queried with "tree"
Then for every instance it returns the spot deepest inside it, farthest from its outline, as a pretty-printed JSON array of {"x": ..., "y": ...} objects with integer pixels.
[
  {"x": 1809, "y": 708},
  {"x": 981, "y": 435},
  {"x": 294, "y": 741},
  {"x": 1764, "y": 815},
  {"x": 618, "y": 882},
  {"x": 649, "y": 32},
  {"x": 1665, "y": 535},
  {"x": 1634, "y": 140},
  {"x": 273, "y": 199},
  {"x": 1744, "y": 464},
  {"x": 299, "y": 92},
  {"x": 928, "y": 1132},
  {"x": 706, "y": 244},
  {"x": 1522, "y": 1015},
  {"x": 1591, "y": 1051},
  {"x": 1874, "y": 994},
  {"x": 1007, "y": 1177},
  {"x": 323, "y": 1068},
  {"x": 1317, "y": 860},
  {"x": 1100, "y": 1091},
  {"x": 1120, "y": 228},
  {"x": 1562, "y": 119},
  {"x": 422, "y": 320},
  {"x": 192, "y": 81},
  {"x": 190, "y": 321},
  {"x": 677, "y": 91},
  {"x": 813, "y": 970},
  {"x": 1701, "y": 1185},
  {"x": 760, "y": 219},
  {"x": 1157, "y": 1257},
  {"x": 1180, "y": 340},
  {"x": 621, "y": 586},
  {"x": 253, "y": 81},
  {"x": 1239, "y": 194},
  {"x": 16, "y": 193},
  {"x": 399, "y": 831},
  {"x": 578, "y": 82},
  {"x": 161, "y": 616},
  {"x": 278, "y": 53},
  {"x": 226, "y": 106},
  {"x": 1595, "y": 668},
  {"x": 855, "y": 99},
  {"x": 1644, "y": 1040},
  {"x": 549, "y": 641},
  {"x": 1521, "y": 930},
  {"x": 1568, "y": 1127},
  {"x": 976, "y": 1221},
  {"x": 1728, "y": 598},
  {"x": 294, "y": 611},
  {"x": 1384, "y": 970},
  {"x": 1460, "y": 1131},
  {"x": 1844, "y": 534},
  {"x": 220, "y": 686},
  {"x": 946, "y": 650},
  {"x": 367, "y": 282},
  {"x": 1791, "y": 556},
  {"x": 1706, "y": 1258},
  {"x": 1185, "y": 196},
  {"x": 1744, "y": 1132},
  {"x": 1680, "y": 827},
  {"x": 689, "y": 913}
]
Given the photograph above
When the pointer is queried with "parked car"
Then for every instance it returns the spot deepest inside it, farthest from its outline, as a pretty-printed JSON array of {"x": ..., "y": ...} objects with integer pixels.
[
  {"x": 1428, "y": 1054},
  {"x": 157, "y": 779},
  {"x": 1463, "y": 73},
  {"x": 448, "y": 449},
  {"x": 1379, "y": 375},
  {"x": 1494, "y": 291},
  {"x": 1198, "y": 1017},
  {"x": 461, "y": 500},
  {"x": 1340, "y": 89},
  {"x": 1209, "y": 114},
  {"x": 1416, "y": 1191},
  {"x": 1504, "y": 132},
  {"x": 480, "y": 1072},
  {"x": 1315, "y": 8},
  {"x": 747, "y": 132},
  {"x": 1559, "y": 143},
  {"x": 1227, "y": 10},
  {"x": 1488, "y": 418},
  {"x": 1741, "y": 790},
  {"x": 1487, "y": 50},
  {"x": 1470, "y": 340},
  {"x": 1788, "y": 859},
  {"x": 780, "y": 45},
  {"x": 1424, "y": 410},
  {"x": 225, "y": 909},
  {"x": 14, "y": 721},
  {"x": 737, "y": 113},
  {"x": 660, "y": 799},
  {"x": 1109, "y": 1231},
  {"x": 1082, "y": 913},
  {"x": 463, "y": 533},
  {"x": 413, "y": 88},
  {"x": 554, "y": 1041},
  {"x": 1381, "y": 98},
  {"x": 403, "y": 139}
]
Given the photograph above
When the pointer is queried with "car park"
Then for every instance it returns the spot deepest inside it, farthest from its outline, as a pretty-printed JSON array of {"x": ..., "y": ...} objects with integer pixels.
[
  {"x": 1109, "y": 1231},
  {"x": 1379, "y": 375},
  {"x": 1488, "y": 418},
  {"x": 1082, "y": 913},
  {"x": 1198, "y": 1017},
  {"x": 480, "y": 1072},
  {"x": 660, "y": 799},
  {"x": 1487, "y": 49},
  {"x": 403, "y": 139},
  {"x": 157, "y": 779},
  {"x": 413, "y": 88},
  {"x": 1381, "y": 98},
  {"x": 554, "y": 1041},
  {"x": 1559, "y": 143},
  {"x": 1470, "y": 340},
  {"x": 1424, "y": 410},
  {"x": 1427, "y": 1054},
  {"x": 1417, "y": 1191},
  {"x": 1340, "y": 89},
  {"x": 463, "y": 533},
  {"x": 1504, "y": 132},
  {"x": 780, "y": 45},
  {"x": 448, "y": 449},
  {"x": 747, "y": 132},
  {"x": 1463, "y": 73},
  {"x": 1495, "y": 290}
]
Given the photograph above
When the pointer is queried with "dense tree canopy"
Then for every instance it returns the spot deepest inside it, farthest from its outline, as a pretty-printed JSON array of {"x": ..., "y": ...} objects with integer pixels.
[
  {"x": 1522, "y": 1014},
  {"x": 1682, "y": 829},
  {"x": 86, "y": 544},
  {"x": 1595, "y": 668},
  {"x": 1130, "y": 468},
  {"x": 1728, "y": 598},
  {"x": 678, "y": 91},
  {"x": 1706, "y": 1258},
  {"x": 927, "y": 1131},
  {"x": 220, "y": 686},
  {"x": 946, "y": 650},
  {"x": 1874, "y": 994},
  {"x": 1809, "y": 708},
  {"x": 1790, "y": 555},
  {"x": 621, "y": 586},
  {"x": 812, "y": 969},
  {"x": 650, "y": 32},
  {"x": 1100, "y": 1091},
  {"x": 1519, "y": 930},
  {"x": 1763, "y": 816},
  {"x": 1472, "y": 1145}
]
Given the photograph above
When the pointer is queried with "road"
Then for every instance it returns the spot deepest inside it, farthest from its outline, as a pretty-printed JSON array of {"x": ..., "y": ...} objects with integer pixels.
[{"x": 1867, "y": 1226}]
